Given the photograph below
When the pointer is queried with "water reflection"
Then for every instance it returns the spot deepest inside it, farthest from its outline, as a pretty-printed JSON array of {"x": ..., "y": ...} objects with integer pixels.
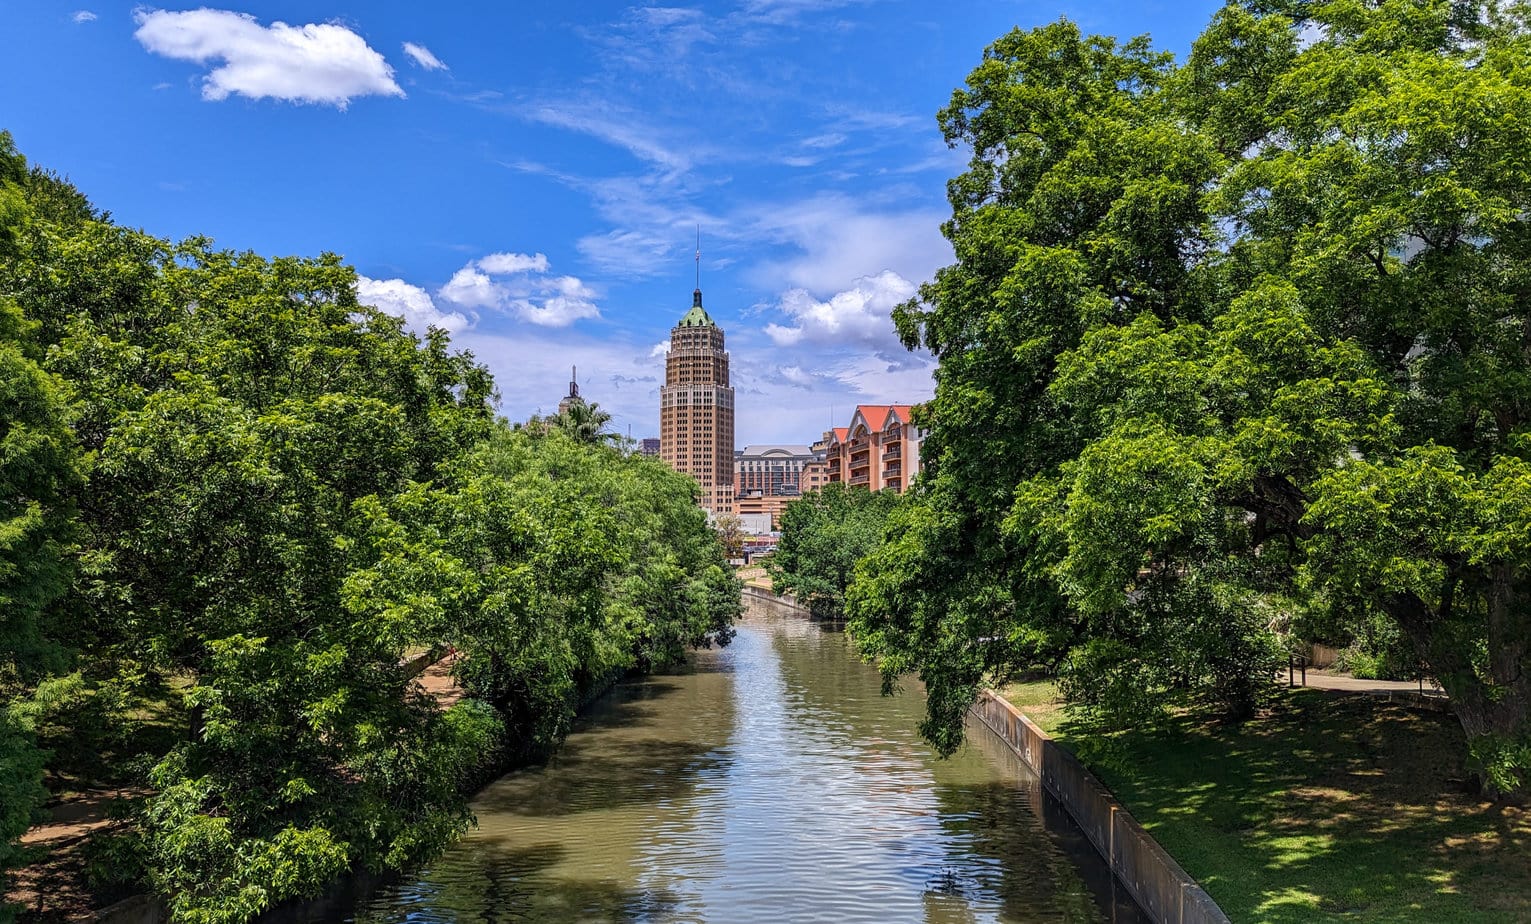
[{"x": 770, "y": 781}]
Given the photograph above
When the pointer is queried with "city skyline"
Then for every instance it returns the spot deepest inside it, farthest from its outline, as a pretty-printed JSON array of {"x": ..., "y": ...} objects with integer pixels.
[{"x": 534, "y": 179}]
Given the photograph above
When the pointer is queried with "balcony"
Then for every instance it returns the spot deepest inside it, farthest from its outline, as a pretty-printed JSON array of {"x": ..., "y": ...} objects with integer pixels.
[
  {"x": 862, "y": 478},
  {"x": 892, "y": 471},
  {"x": 893, "y": 451}
]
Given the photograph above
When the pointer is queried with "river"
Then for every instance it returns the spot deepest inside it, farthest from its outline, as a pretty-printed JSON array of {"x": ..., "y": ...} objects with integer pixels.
[{"x": 769, "y": 781}]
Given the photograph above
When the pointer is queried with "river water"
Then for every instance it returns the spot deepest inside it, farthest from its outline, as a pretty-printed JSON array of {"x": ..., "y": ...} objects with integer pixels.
[{"x": 767, "y": 782}]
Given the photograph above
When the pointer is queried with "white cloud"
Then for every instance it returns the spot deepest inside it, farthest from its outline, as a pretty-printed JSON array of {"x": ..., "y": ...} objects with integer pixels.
[
  {"x": 558, "y": 311},
  {"x": 531, "y": 369},
  {"x": 839, "y": 239},
  {"x": 473, "y": 289},
  {"x": 634, "y": 253},
  {"x": 787, "y": 12},
  {"x": 858, "y": 316},
  {"x": 519, "y": 284},
  {"x": 423, "y": 57},
  {"x": 83, "y": 16},
  {"x": 797, "y": 375},
  {"x": 313, "y": 63},
  {"x": 821, "y": 142},
  {"x": 503, "y": 263},
  {"x": 615, "y": 127},
  {"x": 410, "y": 302}
]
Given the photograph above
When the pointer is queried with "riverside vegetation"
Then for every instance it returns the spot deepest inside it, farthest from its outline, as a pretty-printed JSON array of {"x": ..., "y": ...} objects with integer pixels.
[
  {"x": 1236, "y": 350},
  {"x": 232, "y": 502},
  {"x": 1236, "y": 354}
]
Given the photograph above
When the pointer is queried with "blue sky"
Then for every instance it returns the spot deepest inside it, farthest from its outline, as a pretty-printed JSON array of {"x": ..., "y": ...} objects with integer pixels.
[{"x": 531, "y": 175}]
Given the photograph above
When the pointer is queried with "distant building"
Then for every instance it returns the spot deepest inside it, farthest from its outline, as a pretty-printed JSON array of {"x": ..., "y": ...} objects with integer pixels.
[
  {"x": 756, "y": 524},
  {"x": 768, "y": 478},
  {"x": 649, "y": 446},
  {"x": 879, "y": 449},
  {"x": 771, "y": 470},
  {"x": 696, "y": 408},
  {"x": 572, "y": 398}
]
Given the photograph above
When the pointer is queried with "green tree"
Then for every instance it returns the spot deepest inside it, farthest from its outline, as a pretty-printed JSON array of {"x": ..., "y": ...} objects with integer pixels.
[
  {"x": 1230, "y": 345},
  {"x": 39, "y": 466},
  {"x": 237, "y": 411},
  {"x": 553, "y": 566},
  {"x": 587, "y": 423},
  {"x": 824, "y": 534},
  {"x": 731, "y": 533},
  {"x": 288, "y": 493}
]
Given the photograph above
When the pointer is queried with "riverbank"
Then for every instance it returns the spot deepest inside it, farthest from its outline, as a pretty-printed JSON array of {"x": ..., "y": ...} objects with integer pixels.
[{"x": 1325, "y": 808}]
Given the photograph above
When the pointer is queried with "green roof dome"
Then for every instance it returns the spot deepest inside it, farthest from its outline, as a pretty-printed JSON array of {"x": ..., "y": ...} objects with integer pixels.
[{"x": 697, "y": 316}]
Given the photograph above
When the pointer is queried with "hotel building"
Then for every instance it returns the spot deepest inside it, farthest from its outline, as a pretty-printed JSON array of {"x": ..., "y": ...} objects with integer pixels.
[
  {"x": 880, "y": 448},
  {"x": 696, "y": 408}
]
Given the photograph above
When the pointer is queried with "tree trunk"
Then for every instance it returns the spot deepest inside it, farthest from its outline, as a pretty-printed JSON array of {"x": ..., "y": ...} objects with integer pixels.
[{"x": 1492, "y": 697}]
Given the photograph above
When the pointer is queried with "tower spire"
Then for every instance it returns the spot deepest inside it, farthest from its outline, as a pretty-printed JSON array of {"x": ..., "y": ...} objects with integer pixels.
[{"x": 699, "y": 258}]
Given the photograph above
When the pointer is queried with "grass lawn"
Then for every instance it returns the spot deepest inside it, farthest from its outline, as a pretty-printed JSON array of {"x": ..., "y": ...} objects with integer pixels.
[{"x": 1326, "y": 808}]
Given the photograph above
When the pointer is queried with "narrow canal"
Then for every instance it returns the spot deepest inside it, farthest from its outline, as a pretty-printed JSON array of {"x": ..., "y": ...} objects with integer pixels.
[{"x": 768, "y": 782}]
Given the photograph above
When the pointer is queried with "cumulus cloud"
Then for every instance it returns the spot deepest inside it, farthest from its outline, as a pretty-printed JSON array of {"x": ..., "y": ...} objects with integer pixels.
[
  {"x": 410, "y": 302},
  {"x": 83, "y": 16},
  {"x": 520, "y": 284},
  {"x": 858, "y": 316},
  {"x": 423, "y": 57},
  {"x": 313, "y": 63}
]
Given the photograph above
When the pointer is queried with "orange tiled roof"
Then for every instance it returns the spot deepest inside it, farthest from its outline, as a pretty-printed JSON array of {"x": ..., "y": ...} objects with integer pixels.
[{"x": 875, "y": 415}]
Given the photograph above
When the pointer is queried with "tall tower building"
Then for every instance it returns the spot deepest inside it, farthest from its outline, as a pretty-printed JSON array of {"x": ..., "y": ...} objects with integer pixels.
[
  {"x": 696, "y": 408},
  {"x": 572, "y": 398}
]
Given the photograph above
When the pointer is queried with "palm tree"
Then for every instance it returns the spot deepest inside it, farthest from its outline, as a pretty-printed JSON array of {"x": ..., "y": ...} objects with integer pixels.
[{"x": 586, "y": 423}]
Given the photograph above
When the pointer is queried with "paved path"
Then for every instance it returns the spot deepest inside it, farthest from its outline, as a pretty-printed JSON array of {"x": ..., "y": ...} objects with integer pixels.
[
  {"x": 1345, "y": 683},
  {"x": 437, "y": 680}
]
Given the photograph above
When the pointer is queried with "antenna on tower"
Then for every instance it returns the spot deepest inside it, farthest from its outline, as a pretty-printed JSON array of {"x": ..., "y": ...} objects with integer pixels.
[{"x": 699, "y": 256}]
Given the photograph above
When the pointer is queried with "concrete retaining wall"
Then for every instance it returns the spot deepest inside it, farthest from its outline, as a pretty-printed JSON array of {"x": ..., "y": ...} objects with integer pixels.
[
  {"x": 139, "y": 909},
  {"x": 1161, "y": 887},
  {"x": 762, "y": 600}
]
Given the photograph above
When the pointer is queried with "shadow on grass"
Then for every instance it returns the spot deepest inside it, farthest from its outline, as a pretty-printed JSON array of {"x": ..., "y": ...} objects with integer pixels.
[{"x": 1325, "y": 808}]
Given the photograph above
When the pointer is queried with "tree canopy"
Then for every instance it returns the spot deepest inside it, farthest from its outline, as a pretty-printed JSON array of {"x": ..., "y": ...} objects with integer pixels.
[
  {"x": 824, "y": 534},
  {"x": 1231, "y": 346},
  {"x": 235, "y": 502}
]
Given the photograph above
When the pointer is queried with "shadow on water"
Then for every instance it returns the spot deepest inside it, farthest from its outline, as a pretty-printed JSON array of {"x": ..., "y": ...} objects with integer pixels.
[
  {"x": 767, "y": 781},
  {"x": 498, "y": 884},
  {"x": 595, "y": 779}
]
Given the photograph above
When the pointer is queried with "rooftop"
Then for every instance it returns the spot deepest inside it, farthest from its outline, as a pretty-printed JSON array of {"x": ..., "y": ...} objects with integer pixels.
[
  {"x": 697, "y": 316},
  {"x": 784, "y": 449}
]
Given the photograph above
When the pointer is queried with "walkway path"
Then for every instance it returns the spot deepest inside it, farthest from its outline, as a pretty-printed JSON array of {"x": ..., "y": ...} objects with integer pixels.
[{"x": 1346, "y": 683}]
